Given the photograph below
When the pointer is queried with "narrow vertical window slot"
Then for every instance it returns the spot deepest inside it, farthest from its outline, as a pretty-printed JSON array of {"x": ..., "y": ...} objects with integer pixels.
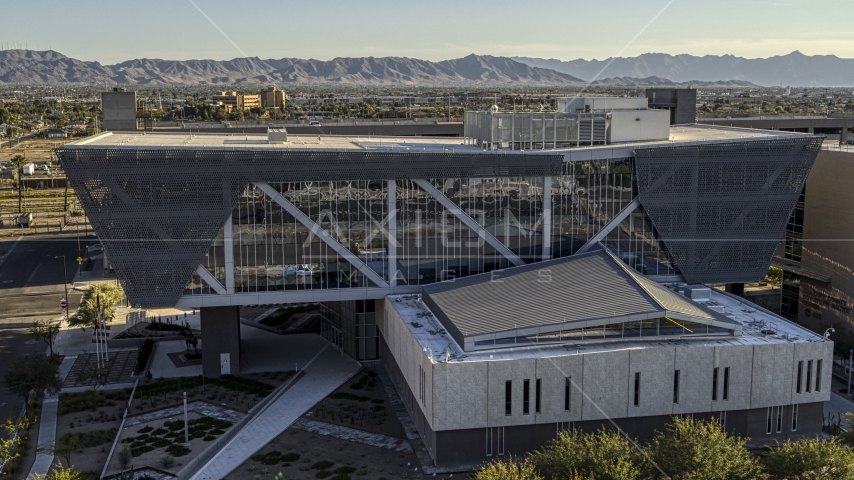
[
  {"x": 526, "y": 397},
  {"x": 715, "y": 384},
  {"x": 800, "y": 376},
  {"x": 769, "y": 420},
  {"x": 566, "y": 393},
  {"x": 795, "y": 417},
  {"x": 508, "y": 397}
]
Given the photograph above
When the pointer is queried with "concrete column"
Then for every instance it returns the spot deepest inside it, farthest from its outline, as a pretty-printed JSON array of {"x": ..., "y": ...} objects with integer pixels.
[
  {"x": 220, "y": 340},
  {"x": 843, "y": 137},
  {"x": 547, "y": 218}
]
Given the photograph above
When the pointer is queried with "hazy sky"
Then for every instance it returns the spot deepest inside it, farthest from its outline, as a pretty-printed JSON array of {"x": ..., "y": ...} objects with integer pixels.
[{"x": 111, "y": 31}]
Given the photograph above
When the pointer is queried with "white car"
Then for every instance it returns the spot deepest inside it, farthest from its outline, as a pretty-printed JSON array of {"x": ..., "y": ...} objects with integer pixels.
[{"x": 314, "y": 123}]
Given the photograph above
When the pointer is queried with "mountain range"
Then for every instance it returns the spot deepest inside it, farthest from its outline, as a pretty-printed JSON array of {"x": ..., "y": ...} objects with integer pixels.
[
  {"x": 28, "y": 66},
  {"x": 794, "y": 69},
  {"x": 653, "y": 69}
]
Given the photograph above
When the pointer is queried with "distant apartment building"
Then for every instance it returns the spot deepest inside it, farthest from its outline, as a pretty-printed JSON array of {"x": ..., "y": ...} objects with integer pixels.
[
  {"x": 232, "y": 101},
  {"x": 271, "y": 97}
]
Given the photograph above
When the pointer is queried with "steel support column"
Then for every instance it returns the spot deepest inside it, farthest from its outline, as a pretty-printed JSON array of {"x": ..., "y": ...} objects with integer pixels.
[
  {"x": 322, "y": 234},
  {"x": 206, "y": 275},
  {"x": 469, "y": 222},
  {"x": 625, "y": 212}
]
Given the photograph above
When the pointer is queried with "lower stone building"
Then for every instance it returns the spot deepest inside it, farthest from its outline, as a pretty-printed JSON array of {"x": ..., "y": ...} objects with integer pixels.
[{"x": 496, "y": 364}]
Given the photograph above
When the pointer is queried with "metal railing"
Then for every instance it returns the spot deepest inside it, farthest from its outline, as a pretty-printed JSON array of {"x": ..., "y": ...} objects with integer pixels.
[{"x": 837, "y": 147}]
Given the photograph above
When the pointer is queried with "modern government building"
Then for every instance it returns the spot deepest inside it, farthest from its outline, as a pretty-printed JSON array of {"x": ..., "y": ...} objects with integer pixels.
[{"x": 547, "y": 271}]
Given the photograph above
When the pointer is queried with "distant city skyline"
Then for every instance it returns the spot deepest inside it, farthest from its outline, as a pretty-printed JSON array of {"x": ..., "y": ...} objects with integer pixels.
[{"x": 112, "y": 32}]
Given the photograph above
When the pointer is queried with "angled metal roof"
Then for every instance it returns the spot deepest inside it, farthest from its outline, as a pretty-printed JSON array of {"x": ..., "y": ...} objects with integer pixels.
[{"x": 587, "y": 290}]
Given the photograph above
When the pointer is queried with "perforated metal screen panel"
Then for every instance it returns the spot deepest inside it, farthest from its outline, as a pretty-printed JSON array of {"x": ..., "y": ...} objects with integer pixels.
[
  {"x": 157, "y": 210},
  {"x": 720, "y": 209}
]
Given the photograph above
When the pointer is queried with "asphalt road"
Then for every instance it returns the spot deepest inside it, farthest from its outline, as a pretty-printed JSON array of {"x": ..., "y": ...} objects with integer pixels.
[
  {"x": 31, "y": 261},
  {"x": 31, "y": 287}
]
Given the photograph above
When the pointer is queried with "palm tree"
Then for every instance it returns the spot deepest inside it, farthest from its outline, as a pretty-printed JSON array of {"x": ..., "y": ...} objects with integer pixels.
[{"x": 19, "y": 161}]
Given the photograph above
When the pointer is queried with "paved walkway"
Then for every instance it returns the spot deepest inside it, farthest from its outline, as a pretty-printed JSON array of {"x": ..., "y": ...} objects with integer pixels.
[
  {"x": 202, "y": 408},
  {"x": 325, "y": 372},
  {"x": 353, "y": 435},
  {"x": 47, "y": 425},
  {"x": 837, "y": 406},
  {"x": 162, "y": 367}
]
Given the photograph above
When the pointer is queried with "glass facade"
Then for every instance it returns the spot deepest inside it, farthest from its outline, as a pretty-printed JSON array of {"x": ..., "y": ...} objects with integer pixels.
[
  {"x": 793, "y": 247},
  {"x": 351, "y": 326},
  {"x": 659, "y": 327},
  {"x": 274, "y": 251}
]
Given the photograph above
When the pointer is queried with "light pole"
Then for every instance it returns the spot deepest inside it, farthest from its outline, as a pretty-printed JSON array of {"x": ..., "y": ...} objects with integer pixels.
[{"x": 64, "y": 282}]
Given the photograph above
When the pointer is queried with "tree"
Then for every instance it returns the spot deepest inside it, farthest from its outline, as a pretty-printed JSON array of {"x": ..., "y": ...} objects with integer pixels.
[
  {"x": 58, "y": 473},
  {"x": 19, "y": 161},
  {"x": 813, "y": 459},
  {"x": 509, "y": 469},
  {"x": 774, "y": 275},
  {"x": 43, "y": 330},
  {"x": 124, "y": 456},
  {"x": 104, "y": 295},
  {"x": 11, "y": 448},
  {"x": 66, "y": 446},
  {"x": 94, "y": 376},
  {"x": 600, "y": 455},
  {"x": 692, "y": 449},
  {"x": 32, "y": 372}
]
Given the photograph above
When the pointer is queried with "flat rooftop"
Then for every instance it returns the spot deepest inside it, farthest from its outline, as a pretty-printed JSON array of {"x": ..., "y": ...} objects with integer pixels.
[
  {"x": 682, "y": 134},
  {"x": 430, "y": 333}
]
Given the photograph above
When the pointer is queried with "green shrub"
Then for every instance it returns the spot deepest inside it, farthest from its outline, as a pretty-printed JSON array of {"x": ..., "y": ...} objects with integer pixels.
[
  {"x": 165, "y": 327},
  {"x": 90, "y": 439},
  {"x": 230, "y": 382},
  {"x": 137, "y": 451},
  {"x": 290, "y": 457},
  {"x": 145, "y": 429},
  {"x": 159, "y": 442},
  {"x": 322, "y": 474},
  {"x": 177, "y": 450},
  {"x": 322, "y": 465},
  {"x": 83, "y": 401},
  {"x": 344, "y": 470},
  {"x": 142, "y": 355},
  {"x": 174, "y": 426}
]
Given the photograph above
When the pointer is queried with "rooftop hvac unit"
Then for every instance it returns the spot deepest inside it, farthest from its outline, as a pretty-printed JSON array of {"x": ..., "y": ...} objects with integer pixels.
[{"x": 279, "y": 135}]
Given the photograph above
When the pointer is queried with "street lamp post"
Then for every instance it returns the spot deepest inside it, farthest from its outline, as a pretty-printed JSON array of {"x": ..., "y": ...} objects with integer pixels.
[{"x": 64, "y": 282}]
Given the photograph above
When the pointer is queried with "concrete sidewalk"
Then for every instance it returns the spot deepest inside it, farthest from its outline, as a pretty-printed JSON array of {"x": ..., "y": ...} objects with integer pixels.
[
  {"x": 47, "y": 425},
  {"x": 327, "y": 371}
]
